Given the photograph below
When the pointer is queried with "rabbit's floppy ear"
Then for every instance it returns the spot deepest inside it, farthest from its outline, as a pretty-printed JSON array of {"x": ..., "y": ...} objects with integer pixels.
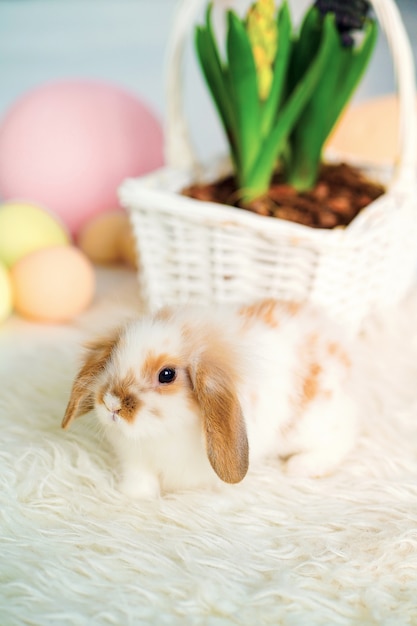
[
  {"x": 81, "y": 398},
  {"x": 223, "y": 422}
]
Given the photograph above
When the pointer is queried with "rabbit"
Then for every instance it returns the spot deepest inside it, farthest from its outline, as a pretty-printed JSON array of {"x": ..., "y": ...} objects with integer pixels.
[{"x": 189, "y": 397}]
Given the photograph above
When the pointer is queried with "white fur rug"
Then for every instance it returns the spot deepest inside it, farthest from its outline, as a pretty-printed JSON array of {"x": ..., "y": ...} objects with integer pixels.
[{"x": 273, "y": 550}]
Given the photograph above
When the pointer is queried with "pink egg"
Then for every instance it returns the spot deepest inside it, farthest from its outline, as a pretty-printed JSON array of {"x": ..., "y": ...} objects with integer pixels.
[{"x": 68, "y": 145}]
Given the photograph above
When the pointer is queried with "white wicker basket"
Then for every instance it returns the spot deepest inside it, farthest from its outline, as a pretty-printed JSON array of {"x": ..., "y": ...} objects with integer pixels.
[{"x": 194, "y": 251}]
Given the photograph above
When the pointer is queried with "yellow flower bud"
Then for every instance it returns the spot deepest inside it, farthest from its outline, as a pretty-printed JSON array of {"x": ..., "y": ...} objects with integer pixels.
[{"x": 262, "y": 30}]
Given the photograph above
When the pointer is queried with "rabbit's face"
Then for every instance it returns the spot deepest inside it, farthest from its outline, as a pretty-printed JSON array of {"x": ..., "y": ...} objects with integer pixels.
[
  {"x": 145, "y": 389},
  {"x": 156, "y": 379}
]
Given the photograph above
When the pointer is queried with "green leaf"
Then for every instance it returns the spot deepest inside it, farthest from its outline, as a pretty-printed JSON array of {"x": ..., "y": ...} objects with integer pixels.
[
  {"x": 352, "y": 67},
  {"x": 276, "y": 94},
  {"x": 305, "y": 46},
  {"x": 243, "y": 87},
  {"x": 216, "y": 79},
  {"x": 344, "y": 70}
]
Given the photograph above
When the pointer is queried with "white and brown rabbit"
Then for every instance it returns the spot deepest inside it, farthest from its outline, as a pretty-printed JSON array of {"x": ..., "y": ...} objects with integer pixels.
[{"x": 190, "y": 396}]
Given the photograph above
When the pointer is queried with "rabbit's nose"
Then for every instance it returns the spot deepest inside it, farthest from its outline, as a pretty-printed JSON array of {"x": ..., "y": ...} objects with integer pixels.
[
  {"x": 112, "y": 403},
  {"x": 115, "y": 415}
]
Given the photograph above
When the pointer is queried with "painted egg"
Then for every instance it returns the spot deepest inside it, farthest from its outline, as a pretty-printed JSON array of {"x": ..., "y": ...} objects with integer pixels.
[
  {"x": 53, "y": 284},
  {"x": 127, "y": 246},
  {"x": 25, "y": 228},
  {"x": 368, "y": 131},
  {"x": 5, "y": 293},
  {"x": 108, "y": 238},
  {"x": 69, "y": 144},
  {"x": 99, "y": 238}
]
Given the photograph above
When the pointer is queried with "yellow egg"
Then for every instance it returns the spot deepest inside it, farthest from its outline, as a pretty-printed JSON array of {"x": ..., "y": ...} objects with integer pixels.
[
  {"x": 54, "y": 284},
  {"x": 99, "y": 238},
  {"x": 25, "y": 228},
  {"x": 5, "y": 293}
]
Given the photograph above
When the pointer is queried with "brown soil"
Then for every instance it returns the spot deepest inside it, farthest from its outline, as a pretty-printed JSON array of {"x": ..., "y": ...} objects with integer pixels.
[{"x": 340, "y": 193}]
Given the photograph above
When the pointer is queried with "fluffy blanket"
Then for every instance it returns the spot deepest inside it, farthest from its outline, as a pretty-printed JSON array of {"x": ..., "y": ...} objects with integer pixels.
[{"x": 272, "y": 550}]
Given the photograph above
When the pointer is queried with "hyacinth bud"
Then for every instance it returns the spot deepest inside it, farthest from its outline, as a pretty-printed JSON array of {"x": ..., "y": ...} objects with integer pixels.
[
  {"x": 350, "y": 15},
  {"x": 262, "y": 30}
]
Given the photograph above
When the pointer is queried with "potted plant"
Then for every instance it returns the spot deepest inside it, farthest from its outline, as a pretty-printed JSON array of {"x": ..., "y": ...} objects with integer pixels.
[
  {"x": 272, "y": 112},
  {"x": 279, "y": 93}
]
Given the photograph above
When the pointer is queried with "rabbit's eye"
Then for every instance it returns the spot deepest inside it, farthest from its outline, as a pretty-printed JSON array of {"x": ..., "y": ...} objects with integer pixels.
[{"x": 167, "y": 375}]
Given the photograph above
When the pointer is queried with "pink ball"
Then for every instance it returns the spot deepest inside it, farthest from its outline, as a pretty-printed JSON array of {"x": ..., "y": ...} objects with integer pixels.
[{"x": 68, "y": 146}]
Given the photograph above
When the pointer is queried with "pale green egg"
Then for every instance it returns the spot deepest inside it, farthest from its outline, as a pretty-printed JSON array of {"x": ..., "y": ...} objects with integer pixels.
[{"x": 24, "y": 228}]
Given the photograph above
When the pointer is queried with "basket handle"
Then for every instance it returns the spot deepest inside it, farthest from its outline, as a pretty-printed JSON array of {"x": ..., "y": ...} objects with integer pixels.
[{"x": 179, "y": 150}]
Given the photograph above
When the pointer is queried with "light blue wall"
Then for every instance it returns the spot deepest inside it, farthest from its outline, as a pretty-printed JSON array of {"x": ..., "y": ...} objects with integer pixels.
[
  {"x": 124, "y": 41},
  {"x": 118, "y": 40}
]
